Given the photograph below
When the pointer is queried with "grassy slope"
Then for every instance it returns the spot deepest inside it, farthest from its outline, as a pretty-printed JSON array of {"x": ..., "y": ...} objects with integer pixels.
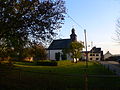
[{"x": 66, "y": 75}]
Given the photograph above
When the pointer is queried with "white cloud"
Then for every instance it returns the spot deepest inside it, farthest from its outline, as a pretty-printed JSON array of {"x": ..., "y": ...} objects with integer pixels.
[{"x": 113, "y": 47}]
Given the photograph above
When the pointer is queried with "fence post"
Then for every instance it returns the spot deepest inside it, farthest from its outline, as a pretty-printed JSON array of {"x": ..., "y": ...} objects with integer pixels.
[{"x": 86, "y": 79}]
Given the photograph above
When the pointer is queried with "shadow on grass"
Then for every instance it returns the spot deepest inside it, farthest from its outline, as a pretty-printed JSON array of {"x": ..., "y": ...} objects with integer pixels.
[{"x": 63, "y": 77}]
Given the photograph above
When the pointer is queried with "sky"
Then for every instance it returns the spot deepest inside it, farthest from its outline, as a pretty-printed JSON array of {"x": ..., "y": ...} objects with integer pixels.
[{"x": 98, "y": 17}]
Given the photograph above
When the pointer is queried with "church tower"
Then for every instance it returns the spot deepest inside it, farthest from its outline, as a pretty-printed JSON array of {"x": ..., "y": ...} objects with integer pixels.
[{"x": 73, "y": 36}]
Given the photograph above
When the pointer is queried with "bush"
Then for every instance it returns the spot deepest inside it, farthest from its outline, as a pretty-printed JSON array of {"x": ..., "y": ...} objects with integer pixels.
[
  {"x": 7, "y": 65},
  {"x": 46, "y": 63}
]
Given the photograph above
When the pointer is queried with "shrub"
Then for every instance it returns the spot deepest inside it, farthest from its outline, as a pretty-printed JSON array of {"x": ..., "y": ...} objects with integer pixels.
[{"x": 46, "y": 63}]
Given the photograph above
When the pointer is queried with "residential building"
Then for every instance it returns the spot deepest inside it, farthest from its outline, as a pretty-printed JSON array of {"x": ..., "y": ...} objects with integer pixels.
[
  {"x": 107, "y": 55},
  {"x": 95, "y": 54}
]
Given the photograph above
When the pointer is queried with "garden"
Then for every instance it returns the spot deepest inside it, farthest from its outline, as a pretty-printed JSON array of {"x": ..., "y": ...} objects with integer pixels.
[{"x": 64, "y": 76}]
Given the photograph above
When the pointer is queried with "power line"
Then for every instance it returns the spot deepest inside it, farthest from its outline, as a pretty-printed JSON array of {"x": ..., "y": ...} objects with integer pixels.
[{"x": 74, "y": 21}]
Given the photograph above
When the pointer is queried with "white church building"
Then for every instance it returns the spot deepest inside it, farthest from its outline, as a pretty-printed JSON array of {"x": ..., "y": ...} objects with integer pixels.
[{"x": 58, "y": 45}]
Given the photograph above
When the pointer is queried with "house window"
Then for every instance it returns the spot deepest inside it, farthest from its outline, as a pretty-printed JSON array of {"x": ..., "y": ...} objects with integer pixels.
[
  {"x": 93, "y": 54},
  {"x": 90, "y": 58},
  {"x": 90, "y": 54},
  {"x": 97, "y": 58},
  {"x": 97, "y": 54}
]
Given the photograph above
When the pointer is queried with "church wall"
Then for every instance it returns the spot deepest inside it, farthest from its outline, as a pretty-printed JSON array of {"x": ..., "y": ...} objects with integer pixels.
[{"x": 51, "y": 54}]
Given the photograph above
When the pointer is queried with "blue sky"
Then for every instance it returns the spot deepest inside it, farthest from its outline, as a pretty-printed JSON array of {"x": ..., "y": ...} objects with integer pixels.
[{"x": 98, "y": 17}]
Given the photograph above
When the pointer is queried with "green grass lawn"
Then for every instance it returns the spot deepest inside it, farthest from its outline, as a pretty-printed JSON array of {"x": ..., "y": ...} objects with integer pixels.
[{"x": 65, "y": 76}]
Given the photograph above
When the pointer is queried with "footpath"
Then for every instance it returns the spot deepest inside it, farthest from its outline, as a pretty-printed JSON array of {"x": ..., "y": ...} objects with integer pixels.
[{"x": 112, "y": 65}]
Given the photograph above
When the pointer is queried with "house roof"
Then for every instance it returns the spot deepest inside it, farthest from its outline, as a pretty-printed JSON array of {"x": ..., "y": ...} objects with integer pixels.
[
  {"x": 59, "y": 44},
  {"x": 108, "y": 53},
  {"x": 95, "y": 50}
]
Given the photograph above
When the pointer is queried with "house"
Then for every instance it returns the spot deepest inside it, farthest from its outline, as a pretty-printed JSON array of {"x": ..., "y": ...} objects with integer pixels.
[
  {"x": 107, "y": 55},
  {"x": 95, "y": 54},
  {"x": 58, "y": 45}
]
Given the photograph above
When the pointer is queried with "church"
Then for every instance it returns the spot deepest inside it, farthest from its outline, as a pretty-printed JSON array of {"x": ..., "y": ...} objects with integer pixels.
[{"x": 58, "y": 45}]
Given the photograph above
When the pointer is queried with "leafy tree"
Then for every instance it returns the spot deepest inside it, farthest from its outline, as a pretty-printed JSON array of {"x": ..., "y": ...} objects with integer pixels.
[
  {"x": 6, "y": 53},
  {"x": 75, "y": 50},
  {"x": 39, "y": 52},
  {"x": 28, "y": 52},
  {"x": 36, "y": 51},
  {"x": 23, "y": 22}
]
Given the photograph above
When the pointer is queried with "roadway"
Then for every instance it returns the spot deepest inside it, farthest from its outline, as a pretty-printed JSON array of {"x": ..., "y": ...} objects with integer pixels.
[{"x": 112, "y": 65}]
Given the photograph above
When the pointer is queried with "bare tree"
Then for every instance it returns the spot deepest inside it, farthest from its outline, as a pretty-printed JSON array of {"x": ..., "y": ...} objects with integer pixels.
[{"x": 118, "y": 31}]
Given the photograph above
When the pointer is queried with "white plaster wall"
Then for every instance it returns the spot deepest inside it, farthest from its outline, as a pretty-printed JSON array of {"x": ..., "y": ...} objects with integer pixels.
[
  {"x": 94, "y": 57},
  {"x": 51, "y": 54}
]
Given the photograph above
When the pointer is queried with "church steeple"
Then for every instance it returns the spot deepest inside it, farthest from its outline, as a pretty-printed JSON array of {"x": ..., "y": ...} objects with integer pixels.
[{"x": 73, "y": 36}]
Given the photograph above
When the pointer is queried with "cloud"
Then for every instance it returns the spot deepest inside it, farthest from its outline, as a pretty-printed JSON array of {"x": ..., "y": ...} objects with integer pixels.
[{"x": 113, "y": 47}]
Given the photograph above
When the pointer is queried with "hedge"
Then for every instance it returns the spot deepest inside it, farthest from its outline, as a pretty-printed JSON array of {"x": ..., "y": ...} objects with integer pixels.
[{"x": 47, "y": 63}]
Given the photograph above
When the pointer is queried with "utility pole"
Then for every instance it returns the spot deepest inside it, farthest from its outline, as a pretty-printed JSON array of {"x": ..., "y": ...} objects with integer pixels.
[
  {"x": 91, "y": 44},
  {"x": 92, "y": 49},
  {"x": 86, "y": 48},
  {"x": 86, "y": 76}
]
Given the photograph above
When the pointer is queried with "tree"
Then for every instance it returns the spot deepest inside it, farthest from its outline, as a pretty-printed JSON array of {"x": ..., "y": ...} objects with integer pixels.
[
  {"x": 23, "y": 22},
  {"x": 39, "y": 52},
  {"x": 5, "y": 52},
  {"x": 36, "y": 51},
  {"x": 75, "y": 50}
]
